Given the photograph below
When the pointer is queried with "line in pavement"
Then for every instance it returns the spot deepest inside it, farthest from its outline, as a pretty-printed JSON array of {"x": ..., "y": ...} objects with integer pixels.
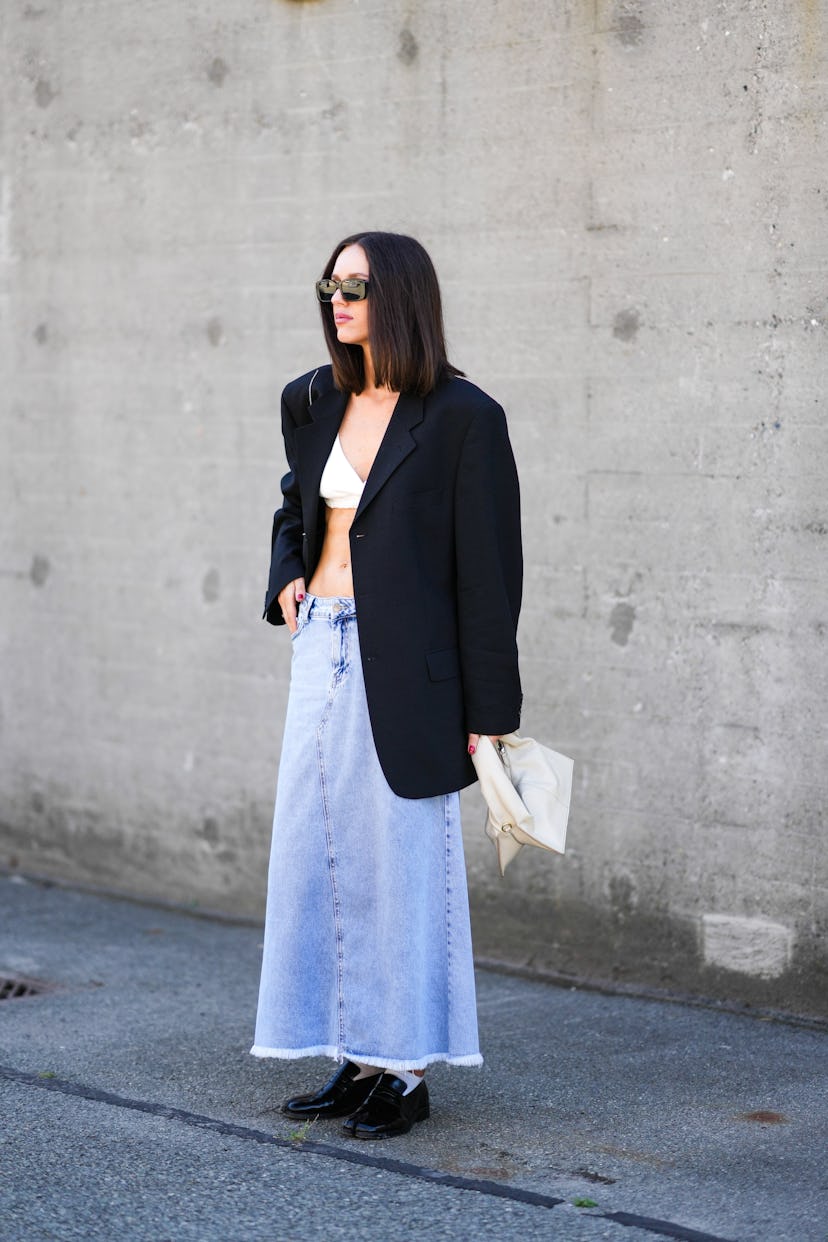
[{"x": 199, "y": 1121}]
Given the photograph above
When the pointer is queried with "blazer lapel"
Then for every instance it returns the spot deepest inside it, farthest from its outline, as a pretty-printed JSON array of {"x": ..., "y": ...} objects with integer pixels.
[
  {"x": 314, "y": 442},
  {"x": 396, "y": 444}
]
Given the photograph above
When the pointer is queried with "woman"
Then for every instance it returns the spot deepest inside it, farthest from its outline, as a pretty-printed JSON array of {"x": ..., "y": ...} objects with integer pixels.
[{"x": 396, "y": 565}]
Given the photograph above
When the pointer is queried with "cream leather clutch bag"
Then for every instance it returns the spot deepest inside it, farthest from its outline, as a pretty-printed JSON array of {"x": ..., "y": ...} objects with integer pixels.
[{"x": 527, "y": 788}]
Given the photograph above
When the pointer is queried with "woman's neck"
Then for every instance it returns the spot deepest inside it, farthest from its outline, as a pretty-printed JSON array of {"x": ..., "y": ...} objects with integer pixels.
[{"x": 371, "y": 392}]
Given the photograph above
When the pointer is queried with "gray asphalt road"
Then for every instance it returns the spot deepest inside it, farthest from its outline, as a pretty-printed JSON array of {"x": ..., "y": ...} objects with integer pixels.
[{"x": 652, "y": 1111}]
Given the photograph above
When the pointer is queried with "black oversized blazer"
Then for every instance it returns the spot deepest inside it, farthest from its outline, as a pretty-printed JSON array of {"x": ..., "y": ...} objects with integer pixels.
[{"x": 437, "y": 570}]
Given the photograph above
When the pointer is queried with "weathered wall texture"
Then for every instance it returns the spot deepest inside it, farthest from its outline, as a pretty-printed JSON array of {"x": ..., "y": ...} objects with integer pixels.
[{"x": 628, "y": 207}]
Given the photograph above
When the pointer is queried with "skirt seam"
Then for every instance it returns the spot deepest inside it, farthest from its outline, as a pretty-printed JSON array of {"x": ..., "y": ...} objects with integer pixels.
[
  {"x": 446, "y": 829},
  {"x": 334, "y": 890}
]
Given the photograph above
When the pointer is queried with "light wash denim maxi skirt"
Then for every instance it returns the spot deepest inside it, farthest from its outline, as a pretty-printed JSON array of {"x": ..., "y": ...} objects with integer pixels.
[{"x": 367, "y": 946}]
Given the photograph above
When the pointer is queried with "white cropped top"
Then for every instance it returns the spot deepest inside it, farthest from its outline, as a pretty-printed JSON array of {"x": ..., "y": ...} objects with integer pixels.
[{"x": 340, "y": 486}]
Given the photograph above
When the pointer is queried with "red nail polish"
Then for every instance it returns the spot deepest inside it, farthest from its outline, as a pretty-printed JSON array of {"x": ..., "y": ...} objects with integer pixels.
[
  {"x": 471, "y": 750},
  {"x": 300, "y": 598}
]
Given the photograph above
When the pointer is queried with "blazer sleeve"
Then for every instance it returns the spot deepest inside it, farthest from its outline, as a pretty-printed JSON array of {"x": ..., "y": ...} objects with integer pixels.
[
  {"x": 489, "y": 574},
  {"x": 286, "y": 559}
]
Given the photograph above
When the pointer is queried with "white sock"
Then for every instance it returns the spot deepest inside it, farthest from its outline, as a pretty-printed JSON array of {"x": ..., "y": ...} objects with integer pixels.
[
  {"x": 410, "y": 1079},
  {"x": 367, "y": 1071}
]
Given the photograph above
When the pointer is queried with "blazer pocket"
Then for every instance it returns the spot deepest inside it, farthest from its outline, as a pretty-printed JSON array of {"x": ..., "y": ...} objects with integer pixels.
[
  {"x": 425, "y": 512},
  {"x": 443, "y": 664},
  {"x": 420, "y": 500}
]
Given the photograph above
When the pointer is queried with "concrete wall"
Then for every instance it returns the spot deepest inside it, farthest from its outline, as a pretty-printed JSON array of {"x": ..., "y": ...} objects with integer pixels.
[{"x": 628, "y": 208}]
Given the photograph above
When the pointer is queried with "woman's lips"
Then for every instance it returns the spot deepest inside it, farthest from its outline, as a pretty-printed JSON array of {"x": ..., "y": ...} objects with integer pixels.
[{"x": 342, "y": 318}]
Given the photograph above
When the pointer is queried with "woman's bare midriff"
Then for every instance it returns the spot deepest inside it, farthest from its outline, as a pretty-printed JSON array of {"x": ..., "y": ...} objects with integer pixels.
[{"x": 333, "y": 575}]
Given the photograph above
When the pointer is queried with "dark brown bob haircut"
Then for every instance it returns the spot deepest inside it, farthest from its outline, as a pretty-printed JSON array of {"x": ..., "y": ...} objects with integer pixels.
[{"x": 405, "y": 318}]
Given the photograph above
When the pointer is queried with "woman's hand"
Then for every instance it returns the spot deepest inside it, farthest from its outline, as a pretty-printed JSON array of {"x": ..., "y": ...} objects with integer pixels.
[
  {"x": 289, "y": 598},
  {"x": 474, "y": 738}
]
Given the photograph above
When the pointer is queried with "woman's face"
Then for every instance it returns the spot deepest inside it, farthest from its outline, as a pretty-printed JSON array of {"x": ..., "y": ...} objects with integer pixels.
[{"x": 351, "y": 318}]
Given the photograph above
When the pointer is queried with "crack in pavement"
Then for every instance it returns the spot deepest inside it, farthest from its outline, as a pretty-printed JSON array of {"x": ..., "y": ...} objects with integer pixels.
[{"x": 664, "y": 1228}]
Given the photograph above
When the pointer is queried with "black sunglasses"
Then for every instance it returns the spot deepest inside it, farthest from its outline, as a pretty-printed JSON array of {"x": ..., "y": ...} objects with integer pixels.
[{"x": 352, "y": 290}]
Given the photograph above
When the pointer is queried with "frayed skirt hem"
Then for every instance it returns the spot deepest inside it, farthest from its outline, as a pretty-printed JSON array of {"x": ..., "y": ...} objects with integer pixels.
[{"x": 339, "y": 1054}]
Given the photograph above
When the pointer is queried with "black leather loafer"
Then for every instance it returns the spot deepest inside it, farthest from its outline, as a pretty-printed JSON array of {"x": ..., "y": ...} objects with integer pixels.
[
  {"x": 388, "y": 1111},
  {"x": 337, "y": 1098}
]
